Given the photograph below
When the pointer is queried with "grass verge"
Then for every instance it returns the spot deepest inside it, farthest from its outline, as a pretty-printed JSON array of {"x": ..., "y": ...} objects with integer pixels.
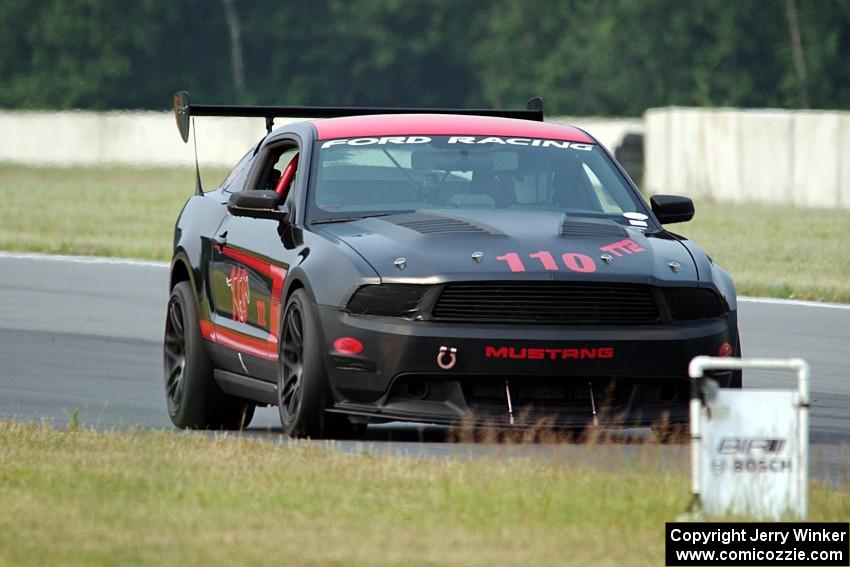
[
  {"x": 777, "y": 251},
  {"x": 130, "y": 212},
  {"x": 88, "y": 498},
  {"x": 101, "y": 211}
]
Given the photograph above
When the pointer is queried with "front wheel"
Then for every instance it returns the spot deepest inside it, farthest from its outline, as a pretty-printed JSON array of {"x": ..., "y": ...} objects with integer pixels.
[
  {"x": 194, "y": 399},
  {"x": 302, "y": 387}
]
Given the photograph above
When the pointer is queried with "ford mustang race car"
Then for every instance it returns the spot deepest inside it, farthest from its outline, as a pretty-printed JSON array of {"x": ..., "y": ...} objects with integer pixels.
[{"x": 369, "y": 265}]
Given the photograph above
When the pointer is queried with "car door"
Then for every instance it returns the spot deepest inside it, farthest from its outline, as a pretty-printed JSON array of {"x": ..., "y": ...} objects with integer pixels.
[{"x": 248, "y": 267}]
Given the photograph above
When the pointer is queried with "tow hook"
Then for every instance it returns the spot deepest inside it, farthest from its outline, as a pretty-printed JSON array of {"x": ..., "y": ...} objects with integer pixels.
[{"x": 447, "y": 357}]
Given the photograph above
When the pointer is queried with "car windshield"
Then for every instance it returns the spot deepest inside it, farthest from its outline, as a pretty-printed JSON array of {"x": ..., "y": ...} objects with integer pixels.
[{"x": 369, "y": 176}]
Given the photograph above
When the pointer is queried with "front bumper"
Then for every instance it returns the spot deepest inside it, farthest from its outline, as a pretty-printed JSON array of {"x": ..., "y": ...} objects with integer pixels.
[{"x": 408, "y": 370}]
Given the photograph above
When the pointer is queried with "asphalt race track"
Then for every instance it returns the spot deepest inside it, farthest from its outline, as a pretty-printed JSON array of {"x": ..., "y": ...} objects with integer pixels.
[{"x": 85, "y": 334}]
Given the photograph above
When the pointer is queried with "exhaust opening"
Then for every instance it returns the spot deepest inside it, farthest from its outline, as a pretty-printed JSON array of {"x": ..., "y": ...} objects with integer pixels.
[{"x": 417, "y": 389}]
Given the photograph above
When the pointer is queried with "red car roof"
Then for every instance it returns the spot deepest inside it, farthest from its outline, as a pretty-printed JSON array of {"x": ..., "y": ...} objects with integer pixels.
[{"x": 443, "y": 125}]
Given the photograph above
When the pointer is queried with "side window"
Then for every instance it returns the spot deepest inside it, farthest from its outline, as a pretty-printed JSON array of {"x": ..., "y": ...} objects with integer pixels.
[
  {"x": 237, "y": 174},
  {"x": 287, "y": 164},
  {"x": 280, "y": 171}
]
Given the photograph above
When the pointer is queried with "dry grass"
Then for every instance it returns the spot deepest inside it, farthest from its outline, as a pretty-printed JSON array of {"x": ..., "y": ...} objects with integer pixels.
[
  {"x": 130, "y": 212},
  {"x": 88, "y": 498}
]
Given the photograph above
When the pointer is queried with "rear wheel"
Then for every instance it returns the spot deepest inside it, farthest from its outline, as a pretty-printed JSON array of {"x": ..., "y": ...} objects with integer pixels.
[
  {"x": 194, "y": 399},
  {"x": 303, "y": 390}
]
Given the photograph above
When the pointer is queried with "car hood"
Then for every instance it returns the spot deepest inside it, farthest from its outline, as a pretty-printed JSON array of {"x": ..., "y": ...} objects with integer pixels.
[{"x": 432, "y": 247}]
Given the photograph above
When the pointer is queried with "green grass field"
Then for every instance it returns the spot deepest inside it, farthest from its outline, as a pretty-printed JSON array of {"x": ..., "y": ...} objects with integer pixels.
[
  {"x": 130, "y": 212},
  {"x": 777, "y": 251},
  {"x": 159, "y": 498},
  {"x": 109, "y": 211}
]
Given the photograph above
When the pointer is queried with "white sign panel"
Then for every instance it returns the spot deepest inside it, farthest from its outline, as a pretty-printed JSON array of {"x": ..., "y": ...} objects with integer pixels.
[
  {"x": 750, "y": 453},
  {"x": 750, "y": 448}
]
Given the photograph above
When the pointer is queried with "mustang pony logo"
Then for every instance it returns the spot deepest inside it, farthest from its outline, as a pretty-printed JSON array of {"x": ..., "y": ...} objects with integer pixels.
[{"x": 240, "y": 293}]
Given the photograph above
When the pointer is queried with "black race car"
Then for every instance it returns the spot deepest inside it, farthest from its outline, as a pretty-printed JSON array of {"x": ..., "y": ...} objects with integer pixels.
[{"x": 372, "y": 265}]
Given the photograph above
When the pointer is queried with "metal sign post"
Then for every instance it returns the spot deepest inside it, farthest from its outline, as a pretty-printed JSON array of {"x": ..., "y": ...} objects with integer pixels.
[{"x": 749, "y": 448}]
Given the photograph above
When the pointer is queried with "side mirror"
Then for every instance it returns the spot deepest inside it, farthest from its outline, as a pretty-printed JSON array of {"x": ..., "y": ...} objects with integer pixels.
[
  {"x": 257, "y": 204},
  {"x": 672, "y": 208}
]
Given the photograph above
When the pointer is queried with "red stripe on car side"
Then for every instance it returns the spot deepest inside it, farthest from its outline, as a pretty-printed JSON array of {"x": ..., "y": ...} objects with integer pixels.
[
  {"x": 248, "y": 345},
  {"x": 268, "y": 348},
  {"x": 208, "y": 330}
]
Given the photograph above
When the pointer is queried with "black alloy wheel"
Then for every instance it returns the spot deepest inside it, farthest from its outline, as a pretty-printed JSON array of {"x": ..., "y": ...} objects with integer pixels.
[
  {"x": 193, "y": 398},
  {"x": 175, "y": 355},
  {"x": 292, "y": 360},
  {"x": 303, "y": 391}
]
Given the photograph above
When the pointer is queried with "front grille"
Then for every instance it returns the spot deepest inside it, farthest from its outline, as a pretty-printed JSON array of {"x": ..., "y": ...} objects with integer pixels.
[{"x": 554, "y": 303}]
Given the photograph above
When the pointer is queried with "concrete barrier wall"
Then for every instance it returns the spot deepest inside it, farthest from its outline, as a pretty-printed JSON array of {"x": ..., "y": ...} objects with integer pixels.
[
  {"x": 151, "y": 138},
  {"x": 609, "y": 131},
  {"x": 97, "y": 138},
  {"x": 774, "y": 156}
]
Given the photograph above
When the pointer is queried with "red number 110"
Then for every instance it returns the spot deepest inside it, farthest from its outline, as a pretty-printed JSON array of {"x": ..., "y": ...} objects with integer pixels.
[{"x": 572, "y": 260}]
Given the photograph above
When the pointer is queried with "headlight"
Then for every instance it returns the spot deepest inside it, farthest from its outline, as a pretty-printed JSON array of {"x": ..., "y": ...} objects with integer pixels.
[
  {"x": 388, "y": 300},
  {"x": 687, "y": 303}
]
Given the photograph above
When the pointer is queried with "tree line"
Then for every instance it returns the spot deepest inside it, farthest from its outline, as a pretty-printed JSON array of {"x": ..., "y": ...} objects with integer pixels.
[{"x": 611, "y": 57}]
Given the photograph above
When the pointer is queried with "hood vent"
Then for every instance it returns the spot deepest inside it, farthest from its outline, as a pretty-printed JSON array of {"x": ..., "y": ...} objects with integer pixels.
[
  {"x": 572, "y": 227},
  {"x": 427, "y": 224}
]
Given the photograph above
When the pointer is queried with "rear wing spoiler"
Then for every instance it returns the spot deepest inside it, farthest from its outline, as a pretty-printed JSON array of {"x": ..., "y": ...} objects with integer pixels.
[{"x": 184, "y": 110}]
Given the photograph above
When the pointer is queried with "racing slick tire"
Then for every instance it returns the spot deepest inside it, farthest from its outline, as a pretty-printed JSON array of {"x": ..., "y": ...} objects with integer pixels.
[
  {"x": 302, "y": 386},
  {"x": 194, "y": 399}
]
